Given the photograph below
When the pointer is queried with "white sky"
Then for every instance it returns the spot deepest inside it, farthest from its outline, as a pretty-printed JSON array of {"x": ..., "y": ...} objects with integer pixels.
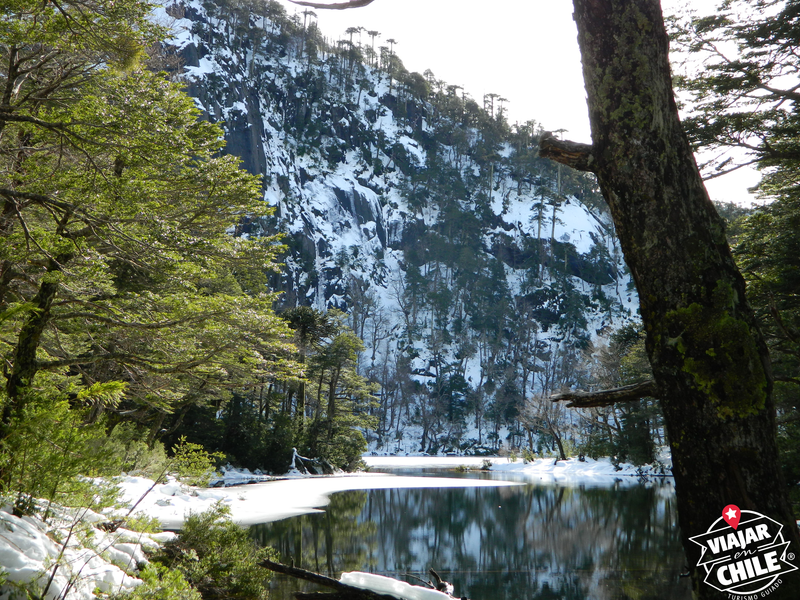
[{"x": 524, "y": 50}]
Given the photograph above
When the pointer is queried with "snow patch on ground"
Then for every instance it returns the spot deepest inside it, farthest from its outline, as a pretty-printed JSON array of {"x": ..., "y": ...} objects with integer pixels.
[
  {"x": 295, "y": 495},
  {"x": 271, "y": 501},
  {"x": 88, "y": 558},
  {"x": 386, "y": 585},
  {"x": 570, "y": 472}
]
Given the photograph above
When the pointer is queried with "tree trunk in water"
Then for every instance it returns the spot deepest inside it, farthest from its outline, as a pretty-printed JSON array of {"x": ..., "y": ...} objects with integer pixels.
[{"x": 709, "y": 360}]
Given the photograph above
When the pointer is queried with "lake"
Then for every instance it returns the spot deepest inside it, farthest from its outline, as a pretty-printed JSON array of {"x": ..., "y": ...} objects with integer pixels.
[{"x": 535, "y": 541}]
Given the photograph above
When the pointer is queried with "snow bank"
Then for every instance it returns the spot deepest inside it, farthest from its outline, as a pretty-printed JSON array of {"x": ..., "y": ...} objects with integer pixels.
[
  {"x": 542, "y": 470},
  {"x": 171, "y": 503},
  {"x": 576, "y": 472},
  {"x": 87, "y": 558},
  {"x": 428, "y": 462},
  {"x": 393, "y": 587},
  {"x": 296, "y": 495}
]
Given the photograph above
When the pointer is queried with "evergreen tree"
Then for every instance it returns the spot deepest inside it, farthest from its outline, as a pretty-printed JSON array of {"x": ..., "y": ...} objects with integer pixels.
[{"x": 117, "y": 262}]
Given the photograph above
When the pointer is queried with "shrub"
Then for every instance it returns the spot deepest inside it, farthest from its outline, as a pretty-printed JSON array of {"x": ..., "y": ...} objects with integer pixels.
[
  {"x": 52, "y": 454},
  {"x": 161, "y": 583},
  {"x": 193, "y": 464},
  {"x": 218, "y": 557},
  {"x": 137, "y": 457}
]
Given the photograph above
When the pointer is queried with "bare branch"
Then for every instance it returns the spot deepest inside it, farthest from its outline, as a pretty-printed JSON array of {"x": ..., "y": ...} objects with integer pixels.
[
  {"x": 573, "y": 154},
  {"x": 626, "y": 393},
  {"x": 722, "y": 171}
]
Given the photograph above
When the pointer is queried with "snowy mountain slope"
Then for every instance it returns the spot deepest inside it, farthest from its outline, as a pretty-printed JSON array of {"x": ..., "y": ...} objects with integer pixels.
[{"x": 473, "y": 280}]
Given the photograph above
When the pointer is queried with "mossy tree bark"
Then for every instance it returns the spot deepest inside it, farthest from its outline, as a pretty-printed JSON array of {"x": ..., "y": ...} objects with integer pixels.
[{"x": 709, "y": 360}]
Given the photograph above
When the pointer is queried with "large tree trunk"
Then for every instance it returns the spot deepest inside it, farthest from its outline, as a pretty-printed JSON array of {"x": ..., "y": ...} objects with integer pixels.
[{"x": 709, "y": 360}]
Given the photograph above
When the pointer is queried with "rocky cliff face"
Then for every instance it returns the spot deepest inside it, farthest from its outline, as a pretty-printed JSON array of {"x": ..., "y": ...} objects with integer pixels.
[{"x": 473, "y": 279}]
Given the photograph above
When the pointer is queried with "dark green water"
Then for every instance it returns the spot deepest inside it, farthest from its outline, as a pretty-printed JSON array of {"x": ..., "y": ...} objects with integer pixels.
[{"x": 512, "y": 543}]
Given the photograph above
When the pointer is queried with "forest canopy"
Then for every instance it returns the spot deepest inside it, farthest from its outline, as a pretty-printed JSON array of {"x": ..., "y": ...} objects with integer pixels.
[{"x": 123, "y": 294}]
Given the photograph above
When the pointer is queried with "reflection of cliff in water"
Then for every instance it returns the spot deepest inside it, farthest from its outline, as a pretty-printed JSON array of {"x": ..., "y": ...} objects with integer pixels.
[{"x": 498, "y": 543}]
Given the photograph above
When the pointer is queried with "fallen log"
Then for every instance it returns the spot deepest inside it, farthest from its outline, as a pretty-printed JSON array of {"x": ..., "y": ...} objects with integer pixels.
[
  {"x": 323, "y": 596},
  {"x": 344, "y": 591}
]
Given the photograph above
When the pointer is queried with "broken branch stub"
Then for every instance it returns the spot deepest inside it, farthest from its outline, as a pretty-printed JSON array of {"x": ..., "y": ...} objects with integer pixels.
[
  {"x": 628, "y": 393},
  {"x": 573, "y": 154}
]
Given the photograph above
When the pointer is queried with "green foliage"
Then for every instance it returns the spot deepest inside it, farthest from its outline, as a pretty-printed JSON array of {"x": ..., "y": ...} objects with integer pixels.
[
  {"x": 635, "y": 441},
  {"x": 738, "y": 98},
  {"x": 193, "y": 464},
  {"x": 322, "y": 415},
  {"x": 142, "y": 522},
  {"x": 51, "y": 454},
  {"x": 339, "y": 398},
  {"x": 122, "y": 289},
  {"x": 117, "y": 258},
  {"x": 767, "y": 249},
  {"x": 126, "y": 442},
  {"x": 161, "y": 583},
  {"x": 597, "y": 444},
  {"x": 217, "y": 557}
]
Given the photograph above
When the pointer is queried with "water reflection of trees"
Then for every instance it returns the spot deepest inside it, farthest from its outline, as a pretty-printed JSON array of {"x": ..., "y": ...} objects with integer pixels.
[
  {"x": 501, "y": 543},
  {"x": 330, "y": 542}
]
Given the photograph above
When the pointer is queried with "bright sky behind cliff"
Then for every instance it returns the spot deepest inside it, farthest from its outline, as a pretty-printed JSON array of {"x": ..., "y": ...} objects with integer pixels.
[{"x": 524, "y": 50}]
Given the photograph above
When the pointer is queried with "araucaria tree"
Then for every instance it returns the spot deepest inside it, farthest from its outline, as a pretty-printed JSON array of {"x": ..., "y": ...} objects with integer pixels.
[{"x": 117, "y": 267}]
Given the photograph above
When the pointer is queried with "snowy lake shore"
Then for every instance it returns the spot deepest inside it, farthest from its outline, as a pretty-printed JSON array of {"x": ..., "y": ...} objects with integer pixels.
[
  {"x": 295, "y": 494},
  {"x": 27, "y": 544}
]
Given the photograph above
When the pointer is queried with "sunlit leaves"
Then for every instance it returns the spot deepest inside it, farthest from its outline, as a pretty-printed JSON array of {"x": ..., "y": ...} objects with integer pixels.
[{"x": 118, "y": 220}]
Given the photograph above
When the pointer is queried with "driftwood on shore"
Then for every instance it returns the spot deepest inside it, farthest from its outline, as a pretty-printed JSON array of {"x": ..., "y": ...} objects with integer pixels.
[{"x": 342, "y": 591}]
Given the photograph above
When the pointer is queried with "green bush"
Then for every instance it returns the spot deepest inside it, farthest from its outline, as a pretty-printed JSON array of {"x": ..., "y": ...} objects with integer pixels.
[
  {"x": 143, "y": 523},
  {"x": 51, "y": 453},
  {"x": 217, "y": 557},
  {"x": 596, "y": 445},
  {"x": 137, "y": 457},
  {"x": 161, "y": 583},
  {"x": 193, "y": 464}
]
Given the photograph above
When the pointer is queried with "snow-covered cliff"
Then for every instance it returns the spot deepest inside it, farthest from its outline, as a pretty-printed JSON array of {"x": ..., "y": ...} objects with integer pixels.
[{"x": 475, "y": 272}]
